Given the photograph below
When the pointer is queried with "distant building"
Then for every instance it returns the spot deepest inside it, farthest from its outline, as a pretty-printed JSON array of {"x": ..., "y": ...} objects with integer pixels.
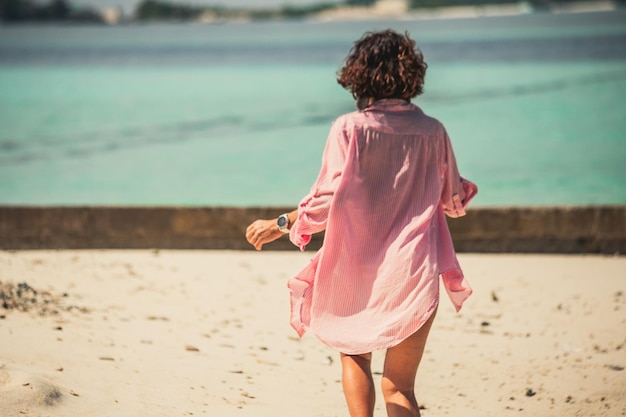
[
  {"x": 111, "y": 15},
  {"x": 380, "y": 9},
  {"x": 391, "y": 7}
]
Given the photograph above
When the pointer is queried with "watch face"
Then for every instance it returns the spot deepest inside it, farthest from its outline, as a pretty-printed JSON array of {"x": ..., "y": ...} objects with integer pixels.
[{"x": 282, "y": 221}]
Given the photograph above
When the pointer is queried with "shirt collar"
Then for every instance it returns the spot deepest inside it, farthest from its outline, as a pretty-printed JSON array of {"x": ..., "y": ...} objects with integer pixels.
[{"x": 392, "y": 104}]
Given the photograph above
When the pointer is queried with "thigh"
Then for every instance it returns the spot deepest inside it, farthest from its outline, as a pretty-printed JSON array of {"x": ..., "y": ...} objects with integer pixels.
[
  {"x": 402, "y": 360},
  {"x": 363, "y": 361}
]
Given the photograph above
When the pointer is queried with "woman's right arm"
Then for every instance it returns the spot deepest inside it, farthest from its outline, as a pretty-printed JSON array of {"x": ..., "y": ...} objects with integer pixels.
[
  {"x": 263, "y": 231},
  {"x": 311, "y": 215}
]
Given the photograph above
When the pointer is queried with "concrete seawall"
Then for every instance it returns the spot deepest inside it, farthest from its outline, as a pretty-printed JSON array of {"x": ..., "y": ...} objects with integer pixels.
[{"x": 586, "y": 229}]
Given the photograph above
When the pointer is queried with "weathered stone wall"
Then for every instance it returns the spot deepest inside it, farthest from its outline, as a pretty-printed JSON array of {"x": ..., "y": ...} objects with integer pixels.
[{"x": 593, "y": 229}]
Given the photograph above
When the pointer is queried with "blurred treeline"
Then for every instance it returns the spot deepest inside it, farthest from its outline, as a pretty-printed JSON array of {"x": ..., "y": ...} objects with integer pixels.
[
  {"x": 150, "y": 10},
  {"x": 54, "y": 10}
]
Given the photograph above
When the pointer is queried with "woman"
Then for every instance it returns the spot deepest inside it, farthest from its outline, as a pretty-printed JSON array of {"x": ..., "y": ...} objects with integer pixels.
[{"x": 388, "y": 176}]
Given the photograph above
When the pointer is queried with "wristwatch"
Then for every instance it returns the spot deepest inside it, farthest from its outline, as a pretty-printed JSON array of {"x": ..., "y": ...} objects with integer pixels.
[{"x": 283, "y": 223}]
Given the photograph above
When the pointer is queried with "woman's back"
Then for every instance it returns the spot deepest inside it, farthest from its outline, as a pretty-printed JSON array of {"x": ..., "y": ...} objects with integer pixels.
[{"x": 395, "y": 170}]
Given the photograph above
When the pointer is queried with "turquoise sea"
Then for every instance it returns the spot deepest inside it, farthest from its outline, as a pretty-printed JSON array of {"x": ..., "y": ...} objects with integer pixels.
[{"x": 237, "y": 114}]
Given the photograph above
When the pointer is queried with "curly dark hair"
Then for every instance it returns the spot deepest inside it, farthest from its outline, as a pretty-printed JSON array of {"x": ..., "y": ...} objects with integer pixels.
[{"x": 384, "y": 64}]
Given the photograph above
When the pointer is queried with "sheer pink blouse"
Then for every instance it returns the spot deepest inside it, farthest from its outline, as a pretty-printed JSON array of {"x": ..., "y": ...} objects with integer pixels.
[{"x": 388, "y": 176}]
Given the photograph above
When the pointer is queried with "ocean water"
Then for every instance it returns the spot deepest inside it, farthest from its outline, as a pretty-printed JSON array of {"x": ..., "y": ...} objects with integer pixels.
[{"x": 237, "y": 114}]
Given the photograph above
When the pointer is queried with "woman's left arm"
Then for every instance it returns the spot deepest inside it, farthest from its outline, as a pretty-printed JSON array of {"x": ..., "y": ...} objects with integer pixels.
[{"x": 457, "y": 191}]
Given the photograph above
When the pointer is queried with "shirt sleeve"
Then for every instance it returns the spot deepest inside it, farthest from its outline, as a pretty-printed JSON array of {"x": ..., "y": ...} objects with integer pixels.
[
  {"x": 314, "y": 208},
  {"x": 457, "y": 191}
]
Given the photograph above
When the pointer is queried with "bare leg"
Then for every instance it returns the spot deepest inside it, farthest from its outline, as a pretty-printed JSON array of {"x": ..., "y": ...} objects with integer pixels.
[
  {"x": 358, "y": 385},
  {"x": 401, "y": 363}
]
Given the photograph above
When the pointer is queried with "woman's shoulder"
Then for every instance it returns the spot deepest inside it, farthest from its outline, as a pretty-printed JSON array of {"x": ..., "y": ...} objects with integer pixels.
[
  {"x": 429, "y": 120},
  {"x": 430, "y": 126},
  {"x": 348, "y": 120}
]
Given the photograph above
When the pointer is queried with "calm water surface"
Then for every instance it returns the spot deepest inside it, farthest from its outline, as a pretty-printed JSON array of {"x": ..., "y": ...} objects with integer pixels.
[{"x": 237, "y": 114}]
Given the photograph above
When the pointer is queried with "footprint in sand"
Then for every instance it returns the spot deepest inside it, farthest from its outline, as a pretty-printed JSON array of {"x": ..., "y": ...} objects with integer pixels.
[{"x": 21, "y": 391}]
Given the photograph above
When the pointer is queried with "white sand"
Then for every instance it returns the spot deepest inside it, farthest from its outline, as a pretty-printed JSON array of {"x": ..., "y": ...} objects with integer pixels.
[{"x": 181, "y": 333}]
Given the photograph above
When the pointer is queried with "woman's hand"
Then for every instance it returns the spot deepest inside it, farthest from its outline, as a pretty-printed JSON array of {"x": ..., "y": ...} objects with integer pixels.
[{"x": 261, "y": 232}]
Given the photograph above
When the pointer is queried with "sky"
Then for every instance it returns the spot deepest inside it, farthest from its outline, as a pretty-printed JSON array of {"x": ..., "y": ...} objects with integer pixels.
[{"x": 129, "y": 5}]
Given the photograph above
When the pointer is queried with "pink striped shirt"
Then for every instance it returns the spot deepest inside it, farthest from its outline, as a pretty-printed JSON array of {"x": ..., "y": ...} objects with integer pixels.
[{"x": 388, "y": 176}]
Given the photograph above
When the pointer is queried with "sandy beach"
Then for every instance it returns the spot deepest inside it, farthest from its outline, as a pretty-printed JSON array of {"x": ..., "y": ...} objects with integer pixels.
[{"x": 182, "y": 333}]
